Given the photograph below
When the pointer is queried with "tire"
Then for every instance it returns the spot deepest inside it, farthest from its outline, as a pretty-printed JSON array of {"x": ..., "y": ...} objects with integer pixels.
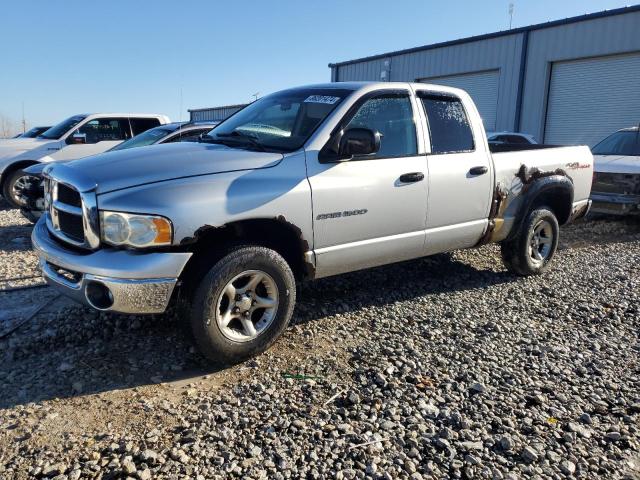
[
  {"x": 530, "y": 252},
  {"x": 221, "y": 326},
  {"x": 10, "y": 194},
  {"x": 32, "y": 215}
]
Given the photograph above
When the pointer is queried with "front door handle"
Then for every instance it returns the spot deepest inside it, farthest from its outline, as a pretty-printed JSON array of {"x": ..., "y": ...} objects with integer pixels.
[
  {"x": 412, "y": 177},
  {"x": 478, "y": 170}
]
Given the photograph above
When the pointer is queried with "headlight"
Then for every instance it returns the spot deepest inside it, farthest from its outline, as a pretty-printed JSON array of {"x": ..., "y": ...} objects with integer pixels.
[{"x": 135, "y": 230}]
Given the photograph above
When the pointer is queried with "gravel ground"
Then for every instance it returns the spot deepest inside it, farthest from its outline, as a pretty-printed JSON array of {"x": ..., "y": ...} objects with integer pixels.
[{"x": 443, "y": 367}]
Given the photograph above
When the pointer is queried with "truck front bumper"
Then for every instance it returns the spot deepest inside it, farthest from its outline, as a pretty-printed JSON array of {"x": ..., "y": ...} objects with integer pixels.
[
  {"x": 124, "y": 281},
  {"x": 615, "y": 203}
]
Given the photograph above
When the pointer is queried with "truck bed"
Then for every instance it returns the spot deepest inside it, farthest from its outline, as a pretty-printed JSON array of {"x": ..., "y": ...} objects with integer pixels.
[{"x": 516, "y": 167}]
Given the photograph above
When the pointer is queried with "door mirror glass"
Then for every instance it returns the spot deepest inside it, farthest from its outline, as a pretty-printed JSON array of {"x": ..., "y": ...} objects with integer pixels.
[
  {"x": 357, "y": 142},
  {"x": 78, "y": 139}
]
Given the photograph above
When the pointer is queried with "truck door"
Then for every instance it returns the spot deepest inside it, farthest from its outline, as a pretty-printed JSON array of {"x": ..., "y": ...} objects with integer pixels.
[
  {"x": 460, "y": 174},
  {"x": 371, "y": 210},
  {"x": 95, "y": 136}
]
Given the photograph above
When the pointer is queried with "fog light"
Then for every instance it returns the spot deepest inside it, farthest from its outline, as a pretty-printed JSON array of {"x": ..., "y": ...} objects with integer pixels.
[{"x": 98, "y": 295}]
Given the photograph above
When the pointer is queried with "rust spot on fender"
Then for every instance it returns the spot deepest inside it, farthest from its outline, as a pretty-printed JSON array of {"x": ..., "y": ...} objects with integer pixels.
[
  {"x": 198, "y": 233},
  {"x": 528, "y": 176},
  {"x": 498, "y": 206},
  {"x": 309, "y": 268}
]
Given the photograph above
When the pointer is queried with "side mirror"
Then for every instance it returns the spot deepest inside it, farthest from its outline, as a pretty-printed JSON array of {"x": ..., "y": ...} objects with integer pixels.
[
  {"x": 78, "y": 139},
  {"x": 358, "y": 141}
]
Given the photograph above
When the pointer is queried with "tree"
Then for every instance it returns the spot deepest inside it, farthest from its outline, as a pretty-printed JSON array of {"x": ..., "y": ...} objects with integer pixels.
[{"x": 8, "y": 128}]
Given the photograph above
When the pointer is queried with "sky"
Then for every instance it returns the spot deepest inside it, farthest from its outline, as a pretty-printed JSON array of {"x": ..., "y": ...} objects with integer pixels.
[{"x": 63, "y": 58}]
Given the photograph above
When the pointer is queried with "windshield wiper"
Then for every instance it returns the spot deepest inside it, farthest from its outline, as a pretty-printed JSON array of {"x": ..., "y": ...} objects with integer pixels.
[{"x": 245, "y": 136}]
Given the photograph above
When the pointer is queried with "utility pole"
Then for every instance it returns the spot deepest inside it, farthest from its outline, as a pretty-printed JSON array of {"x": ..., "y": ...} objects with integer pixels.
[
  {"x": 511, "y": 7},
  {"x": 24, "y": 123},
  {"x": 255, "y": 96}
]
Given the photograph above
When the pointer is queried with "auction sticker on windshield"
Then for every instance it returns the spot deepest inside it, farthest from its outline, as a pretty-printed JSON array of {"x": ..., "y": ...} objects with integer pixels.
[{"x": 321, "y": 99}]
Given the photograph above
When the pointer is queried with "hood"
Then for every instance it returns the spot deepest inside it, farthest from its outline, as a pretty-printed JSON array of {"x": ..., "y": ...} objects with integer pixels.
[
  {"x": 157, "y": 163},
  {"x": 11, "y": 147},
  {"x": 616, "y": 164},
  {"x": 21, "y": 142}
]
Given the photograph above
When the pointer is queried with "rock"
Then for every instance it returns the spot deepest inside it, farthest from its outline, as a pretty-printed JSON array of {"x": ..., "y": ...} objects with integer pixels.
[
  {"x": 145, "y": 474},
  {"x": 529, "y": 455},
  {"x": 254, "y": 451},
  {"x": 65, "y": 367},
  {"x": 567, "y": 467},
  {"x": 613, "y": 436},
  {"x": 149, "y": 456},
  {"x": 478, "y": 388},
  {"x": 506, "y": 443},
  {"x": 586, "y": 418},
  {"x": 128, "y": 467},
  {"x": 380, "y": 379}
]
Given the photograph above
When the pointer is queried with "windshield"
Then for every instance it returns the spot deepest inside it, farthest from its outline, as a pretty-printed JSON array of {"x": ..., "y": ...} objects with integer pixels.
[
  {"x": 146, "y": 138},
  {"x": 34, "y": 132},
  {"x": 620, "y": 143},
  {"x": 283, "y": 121},
  {"x": 57, "y": 131}
]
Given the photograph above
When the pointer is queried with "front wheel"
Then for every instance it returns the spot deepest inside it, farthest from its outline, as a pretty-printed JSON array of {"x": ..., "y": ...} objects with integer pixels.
[
  {"x": 16, "y": 187},
  {"x": 530, "y": 252},
  {"x": 243, "y": 304}
]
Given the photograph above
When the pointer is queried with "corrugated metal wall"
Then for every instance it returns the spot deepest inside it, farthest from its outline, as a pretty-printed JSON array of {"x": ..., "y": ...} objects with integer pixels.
[
  {"x": 483, "y": 89},
  {"x": 588, "y": 99},
  {"x": 502, "y": 53},
  {"x": 599, "y": 35},
  {"x": 215, "y": 114}
]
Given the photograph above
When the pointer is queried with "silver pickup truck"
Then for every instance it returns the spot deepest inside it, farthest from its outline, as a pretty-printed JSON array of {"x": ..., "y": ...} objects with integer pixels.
[{"x": 301, "y": 184}]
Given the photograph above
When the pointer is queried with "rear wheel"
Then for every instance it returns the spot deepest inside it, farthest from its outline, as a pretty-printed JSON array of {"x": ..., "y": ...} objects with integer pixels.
[
  {"x": 243, "y": 304},
  {"x": 530, "y": 252}
]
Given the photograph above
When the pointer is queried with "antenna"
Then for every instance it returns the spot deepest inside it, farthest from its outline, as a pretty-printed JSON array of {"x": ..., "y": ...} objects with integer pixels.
[
  {"x": 180, "y": 112},
  {"x": 511, "y": 8}
]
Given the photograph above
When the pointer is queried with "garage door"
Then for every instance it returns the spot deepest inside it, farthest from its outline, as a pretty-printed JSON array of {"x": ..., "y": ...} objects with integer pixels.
[
  {"x": 589, "y": 99},
  {"x": 483, "y": 88}
]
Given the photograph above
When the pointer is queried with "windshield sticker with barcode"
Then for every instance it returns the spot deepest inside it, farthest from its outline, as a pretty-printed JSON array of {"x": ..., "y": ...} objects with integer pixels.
[{"x": 321, "y": 99}]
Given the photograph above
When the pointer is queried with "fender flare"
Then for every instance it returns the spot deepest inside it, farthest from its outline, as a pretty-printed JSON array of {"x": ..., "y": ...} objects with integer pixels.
[{"x": 537, "y": 187}]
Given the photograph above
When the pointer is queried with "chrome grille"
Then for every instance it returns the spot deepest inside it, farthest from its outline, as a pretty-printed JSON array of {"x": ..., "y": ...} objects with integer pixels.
[
  {"x": 71, "y": 213},
  {"x": 68, "y": 195}
]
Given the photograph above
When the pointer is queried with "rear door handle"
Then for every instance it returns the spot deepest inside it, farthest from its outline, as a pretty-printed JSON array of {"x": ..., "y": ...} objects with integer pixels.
[
  {"x": 412, "y": 177},
  {"x": 478, "y": 170}
]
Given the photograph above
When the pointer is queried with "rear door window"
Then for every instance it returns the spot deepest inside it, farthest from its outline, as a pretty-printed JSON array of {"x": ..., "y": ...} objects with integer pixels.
[
  {"x": 448, "y": 124},
  {"x": 139, "y": 125}
]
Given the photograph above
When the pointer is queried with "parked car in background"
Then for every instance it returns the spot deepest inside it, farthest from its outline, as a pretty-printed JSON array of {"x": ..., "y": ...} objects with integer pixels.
[
  {"x": 301, "y": 184},
  {"x": 616, "y": 180},
  {"x": 511, "y": 138},
  {"x": 34, "y": 132},
  {"x": 76, "y": 137},
  {"x": 169, "y": 133}
]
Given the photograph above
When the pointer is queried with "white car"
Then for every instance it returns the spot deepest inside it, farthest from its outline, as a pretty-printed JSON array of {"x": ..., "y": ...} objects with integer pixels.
[
  {"x": 511, "y": 138},
  {"x": 76, "y": 137},
  {"x": 616, "y": 180}
]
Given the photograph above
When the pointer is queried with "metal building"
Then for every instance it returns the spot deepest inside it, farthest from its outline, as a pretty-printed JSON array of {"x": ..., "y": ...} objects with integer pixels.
[
  {"x": 213, "y": 114},
  {"x": 570, "y": 81}
]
